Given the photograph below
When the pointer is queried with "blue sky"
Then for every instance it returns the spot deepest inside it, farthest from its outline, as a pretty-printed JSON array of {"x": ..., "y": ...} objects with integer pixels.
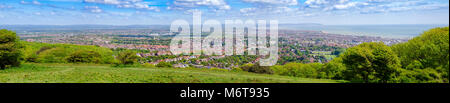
[{"x": 149, "y": 12}]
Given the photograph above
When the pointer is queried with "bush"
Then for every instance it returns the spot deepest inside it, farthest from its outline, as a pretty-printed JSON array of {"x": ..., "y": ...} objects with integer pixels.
[
  {"x": 299, "y": 70},
  {"x": 257, "y": 69},
  {"x": 236, "y": 69},
  {"x": 334, "y": 69},
  {"x": 58, "y": 53},
  {"x": 371, "y": 62},
  {"x": 10, "y": 49},
  {"x": 164, "y": 65},
  {"x": 219, "y": 69},
  {"x": 420, "y": 76},
  {"x": 84, "y": 56},
  {"x": 429, "y": 50},
  {"x": 246, "y": 67},
  {"x": 127, "y": 58},
  {"x": 148, "y": 65},
  {"x": 54, "y": 55}
]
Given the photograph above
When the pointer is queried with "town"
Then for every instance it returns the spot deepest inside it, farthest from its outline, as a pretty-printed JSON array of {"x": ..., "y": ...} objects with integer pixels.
[{"x": 153, "y": 45}]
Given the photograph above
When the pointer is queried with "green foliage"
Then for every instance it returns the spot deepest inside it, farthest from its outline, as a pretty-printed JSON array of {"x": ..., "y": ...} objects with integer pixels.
[
  {"x": 371, "y": 62},
  {"x": 423, "y": 59},
  {"x": 334, "y": 69},
  {"x": 338, "y": 51},
  {"x": 148, "y": 65},
  {"x": 429, "y": 50},
  {"x": 236, "y": 69},
  {"x": 219, "y": 69},
  {"x": 101, "y": 73},
  {"x": 59, "y": 53},
  {"x": 427, "y": 75},
  {"x": 54, "y": 55},
  {"x": 257, "y": 69},
  {"x": 164, "y": 65},
  {"x": 299, "y": 70},
  {"x": 84, "y": 56},
  {"x": 10, "y": 49},
  {"x": 127, "y": 57}
]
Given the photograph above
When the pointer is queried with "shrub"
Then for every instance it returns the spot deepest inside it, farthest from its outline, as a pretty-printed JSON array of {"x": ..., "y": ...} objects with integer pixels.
[
  {"x": 236, "y": 69},
  {"x": 334, "y": 69},
  {"x": 54, "y": 55},
  {"x": 127, "y": 58},
  {"x": 10, "y": 46},
  {"x": 371, "y": 62},
  {"x": 219, "y": 69},
  {"x": 148, "y": 65},
  {"x": 164, "y": 65},
  {"x": 257, "y": 69},
  {"x": 299, "y": 70},
  {"x": 419, "y": 76},
  {"x": 278, "y": 69},
  {"x": 429, "y": 50},
  {"x": 246, "y": 67},
  {"x": 58, "y": 53},
  {"x": 84, "y": 56}
]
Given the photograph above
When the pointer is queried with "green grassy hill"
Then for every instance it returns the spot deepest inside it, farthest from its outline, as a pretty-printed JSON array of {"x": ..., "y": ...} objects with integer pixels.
[{"x": 96, "y": 73}]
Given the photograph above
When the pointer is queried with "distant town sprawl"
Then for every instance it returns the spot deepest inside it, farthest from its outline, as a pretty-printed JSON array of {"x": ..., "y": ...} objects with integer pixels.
[{"x": 153, "y": 45}]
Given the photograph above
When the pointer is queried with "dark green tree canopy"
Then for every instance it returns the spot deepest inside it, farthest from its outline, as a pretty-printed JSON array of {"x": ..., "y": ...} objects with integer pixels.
[
  {"x": 425, "y": 53},
  {"x": 10, "y": 49},
  {"x": 127, "y": 57},
  {"x": 371, "y": 62},
  {"x": 84, "y": 56}
]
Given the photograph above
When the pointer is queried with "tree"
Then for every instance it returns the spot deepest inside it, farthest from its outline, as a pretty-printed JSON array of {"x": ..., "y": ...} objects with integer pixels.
[
  {"x": 127, "y": 57},
  {"x": 429, "y": 50},
  {"x": 54, "y": 55},
  {"x": 334, "y": 69},
  {"x": 371, "y": 62},
  {"x": 164, "y": 64},
  {"x": 84, "y": 56},
  {"x": 255, "y": 68},
  {"x": 10, "y": 49}
]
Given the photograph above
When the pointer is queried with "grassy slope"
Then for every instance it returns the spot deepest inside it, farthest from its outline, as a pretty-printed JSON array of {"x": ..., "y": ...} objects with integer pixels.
[{"x": 92, "y": 73}]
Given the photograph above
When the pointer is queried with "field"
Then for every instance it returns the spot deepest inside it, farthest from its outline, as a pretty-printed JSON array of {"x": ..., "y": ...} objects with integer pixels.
[
  {"x": 326, "y": 54},
  {"x": 95, "y": 73}
]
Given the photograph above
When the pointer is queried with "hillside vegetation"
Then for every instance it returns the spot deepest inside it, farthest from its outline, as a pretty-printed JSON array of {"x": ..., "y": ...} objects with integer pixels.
[
  {"x": 66, "y": 53},
  {"x": 423, "y": 59},
  {"x": 100, "y": 73}
]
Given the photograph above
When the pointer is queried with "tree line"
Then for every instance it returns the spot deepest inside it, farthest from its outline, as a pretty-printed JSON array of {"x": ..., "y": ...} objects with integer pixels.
[{"x": 423, "y": 59}]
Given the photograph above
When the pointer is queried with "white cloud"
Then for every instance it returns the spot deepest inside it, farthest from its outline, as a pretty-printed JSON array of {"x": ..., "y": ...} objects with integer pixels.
[
  {"x": 115, "y": 2},
  {"x": 139, "y": 5},
  {"x": 134, "y": 4},
  {"x": 281, "y": 10},
  {"x": 215, "y": 4},
  {"x": 93, "y": 9},
  {"x": 5, "y": 6},
  {"x": 270, "y": 7},
  {"x": 36, "y": 2},
  {"x": 370, "y": 6},
  {"x": 274, "y": 2},
  {"x": 246, "y": 10},
  {"x": 37, "y": 13},
  {"x": 345, "y": 6}
]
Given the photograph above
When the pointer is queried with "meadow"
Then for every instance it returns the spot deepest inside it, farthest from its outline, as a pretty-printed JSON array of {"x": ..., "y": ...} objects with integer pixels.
[{"x": 99, "y": 73}]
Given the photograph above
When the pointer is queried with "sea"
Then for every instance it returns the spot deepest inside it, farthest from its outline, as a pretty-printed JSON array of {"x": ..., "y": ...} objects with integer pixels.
[{"x": 403, "y": 31}]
